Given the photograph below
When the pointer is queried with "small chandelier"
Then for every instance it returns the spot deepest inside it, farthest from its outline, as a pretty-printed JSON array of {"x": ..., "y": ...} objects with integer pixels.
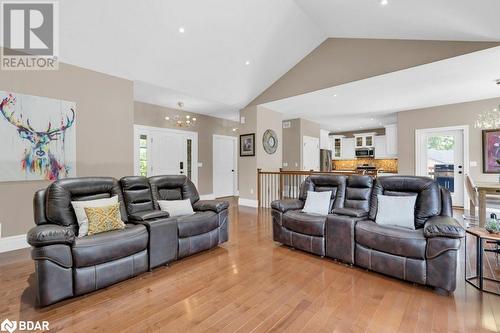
[
  {"x": 488, "y": 119},
  {"x": 181, "y": 121}
]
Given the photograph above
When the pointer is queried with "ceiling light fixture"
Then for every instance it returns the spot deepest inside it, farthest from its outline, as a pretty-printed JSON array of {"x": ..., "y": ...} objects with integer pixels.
[
  {"x": 488, "y": 119},
  {"x": 181, "y": 121},
  {"x": 182, "y": 30},
  {"x": 384, "y": 2},
  {"x": 334, "y": 95},
  {"x": 247, "y": 62}
]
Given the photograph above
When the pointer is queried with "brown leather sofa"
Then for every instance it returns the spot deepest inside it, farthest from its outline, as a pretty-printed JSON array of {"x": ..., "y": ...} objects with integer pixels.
[
  {"x": 427, "y": 255},
  {"x": 68, "y": 266}
]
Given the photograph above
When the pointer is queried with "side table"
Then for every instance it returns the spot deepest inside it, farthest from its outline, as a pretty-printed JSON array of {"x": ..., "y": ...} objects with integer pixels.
[{"x": 481, "y": 236}]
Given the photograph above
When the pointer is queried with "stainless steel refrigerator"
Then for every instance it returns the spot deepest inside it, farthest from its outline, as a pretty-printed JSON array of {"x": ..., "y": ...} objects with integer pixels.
[{"x": 325, "y": 160}]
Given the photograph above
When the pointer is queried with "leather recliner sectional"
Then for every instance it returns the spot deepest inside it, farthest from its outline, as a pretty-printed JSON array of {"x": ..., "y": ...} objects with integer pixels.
[
  {"x": 68, "y": 266},
  {"x": 426, "y": 255}
]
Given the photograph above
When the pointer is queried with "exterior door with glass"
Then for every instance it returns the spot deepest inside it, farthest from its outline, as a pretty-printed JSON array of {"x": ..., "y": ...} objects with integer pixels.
[
  {"x": 442, "y": 157},
  {"x": 165, "y": 152}
]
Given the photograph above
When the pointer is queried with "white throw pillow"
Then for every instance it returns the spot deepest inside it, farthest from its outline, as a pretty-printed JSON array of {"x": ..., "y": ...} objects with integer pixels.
[
  {"x": 317, "y": 203},
  {"x": 396, "y": 211},
  {"x": 176, "y": 207},
  {"x": 81, "y": 217}
]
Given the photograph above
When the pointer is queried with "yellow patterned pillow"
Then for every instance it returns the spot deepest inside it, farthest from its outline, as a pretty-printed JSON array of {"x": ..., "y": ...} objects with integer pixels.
[{"x": 102, "y": 219}]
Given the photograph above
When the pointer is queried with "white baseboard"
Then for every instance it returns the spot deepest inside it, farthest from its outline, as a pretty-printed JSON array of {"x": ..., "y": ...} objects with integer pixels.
[
  {"x": 12, "y": 243},
  {"x": 210, "y": 196},
  {"x": 248, "y": 202}
]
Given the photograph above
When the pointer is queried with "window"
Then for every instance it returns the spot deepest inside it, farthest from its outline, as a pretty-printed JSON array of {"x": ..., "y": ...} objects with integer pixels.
[{"x": 143, "y": 155}]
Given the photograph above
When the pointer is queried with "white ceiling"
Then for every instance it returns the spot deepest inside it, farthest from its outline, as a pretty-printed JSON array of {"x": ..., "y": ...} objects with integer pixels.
[
  {"x": 140, "y": 40},
  {"x": 373, "y": 102},
  {"x": 467, "y": 20},
  {"x": 205, "y": 66}
]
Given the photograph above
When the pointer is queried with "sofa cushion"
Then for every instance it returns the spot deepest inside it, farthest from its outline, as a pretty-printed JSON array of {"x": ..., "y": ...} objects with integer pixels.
[
  {"x": 197, "y": 224},
  {"x": 109, "y": 246},
  {"x": 393, "y": 240},
  {"x": 303, "y": 223}
]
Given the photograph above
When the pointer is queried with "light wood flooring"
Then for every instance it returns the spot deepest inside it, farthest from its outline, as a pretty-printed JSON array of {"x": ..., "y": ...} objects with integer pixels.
[{"x": 252, "y": 284}]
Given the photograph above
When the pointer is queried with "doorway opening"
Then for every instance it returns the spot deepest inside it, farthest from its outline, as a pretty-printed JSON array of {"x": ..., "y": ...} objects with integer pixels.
[
  {"x": 163, "y": 151},
  {"x": 443, "y": 154}
]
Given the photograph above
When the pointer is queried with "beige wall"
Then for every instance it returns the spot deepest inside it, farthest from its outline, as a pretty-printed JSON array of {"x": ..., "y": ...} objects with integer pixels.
[
  {"x": 291, "y": 145},
  {"x": 293, "y": 141},
  {"x": 154, "y": 115},
  {"x": 257, "y": 120},
  {"x": 341, "y": 60},
  {"x": 247, "y": 165},
  {"x": 443, "y": 116},
  {"x": 104, "y": 132}
]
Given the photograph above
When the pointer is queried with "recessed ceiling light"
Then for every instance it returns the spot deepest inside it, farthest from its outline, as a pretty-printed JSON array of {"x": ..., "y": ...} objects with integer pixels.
[
  {"x": 247, "y": 62},
  {"x": 384, "y": 2},
  {"x": 371, "y": 119},
  {"x": 334, "y": 95},
  {"x": 182, "y": 30}
]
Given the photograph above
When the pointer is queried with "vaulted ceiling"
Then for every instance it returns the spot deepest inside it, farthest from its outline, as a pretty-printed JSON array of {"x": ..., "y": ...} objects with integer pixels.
[{"x": 219, "y": 55}]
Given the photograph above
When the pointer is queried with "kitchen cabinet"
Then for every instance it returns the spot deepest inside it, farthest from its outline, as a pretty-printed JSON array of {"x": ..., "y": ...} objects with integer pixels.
[
  {"x": 336, "y": 142},
  {"x": 391, "y": 134},
  {"x": 347, "y": 148},
  {"x": 380, "y": 146},
  {"x": 363, "y": 140}
]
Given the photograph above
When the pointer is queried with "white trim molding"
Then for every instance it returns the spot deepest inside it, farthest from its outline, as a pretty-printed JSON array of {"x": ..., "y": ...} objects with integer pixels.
[
  {"x": 210, "y": 196},
  {"x": 12, "y": 243},
  {"x": 248, "y": 202}
]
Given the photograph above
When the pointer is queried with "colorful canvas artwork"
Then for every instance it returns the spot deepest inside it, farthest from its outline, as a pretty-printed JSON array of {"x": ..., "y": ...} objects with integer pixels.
[
  {"x": 491, "y": 151},
  {"x": 37, "y": 138}
]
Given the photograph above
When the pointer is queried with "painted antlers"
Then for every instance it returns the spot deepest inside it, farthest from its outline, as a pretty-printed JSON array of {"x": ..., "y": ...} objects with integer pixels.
[{"x": 52, "y": 132}]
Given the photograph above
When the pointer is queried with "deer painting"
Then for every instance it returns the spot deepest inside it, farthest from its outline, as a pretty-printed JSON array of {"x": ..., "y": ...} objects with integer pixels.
[{"x": 38, "y": 159}]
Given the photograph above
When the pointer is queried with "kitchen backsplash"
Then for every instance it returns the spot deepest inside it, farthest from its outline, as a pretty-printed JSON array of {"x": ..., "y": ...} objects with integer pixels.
[{"x": 387, "y": 165}]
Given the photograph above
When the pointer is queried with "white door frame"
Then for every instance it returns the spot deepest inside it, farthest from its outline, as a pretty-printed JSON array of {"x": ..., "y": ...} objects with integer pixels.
[
  {"x": 235, "y": 162},
  {"x": 419, "y": 133},
  {"x": 151, "y": 129}
]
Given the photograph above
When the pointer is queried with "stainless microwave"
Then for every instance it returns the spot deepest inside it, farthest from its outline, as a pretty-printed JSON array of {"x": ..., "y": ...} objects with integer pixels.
[{"x": 365, "y": 152}]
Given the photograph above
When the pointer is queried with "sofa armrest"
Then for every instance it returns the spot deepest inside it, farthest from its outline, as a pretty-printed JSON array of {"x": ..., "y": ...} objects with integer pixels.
[
  {"x": 352, "y": 212},
  {"x": 287, "y": 204},
  {"x": 148, "y": 215},
  {"x": 213, "y": 205},
  {"x": 50, "y": 234},
  {"x": 443, "y": 226}
]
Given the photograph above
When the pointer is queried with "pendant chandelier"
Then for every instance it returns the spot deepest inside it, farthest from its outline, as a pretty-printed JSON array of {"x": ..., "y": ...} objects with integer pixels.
[
  {"x": 181, "y": 121},
  {"x": 488, "y": 119}
]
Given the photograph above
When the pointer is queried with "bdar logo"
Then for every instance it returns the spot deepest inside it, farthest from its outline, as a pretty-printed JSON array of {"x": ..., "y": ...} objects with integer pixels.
[{"x": 9, "y": 326}]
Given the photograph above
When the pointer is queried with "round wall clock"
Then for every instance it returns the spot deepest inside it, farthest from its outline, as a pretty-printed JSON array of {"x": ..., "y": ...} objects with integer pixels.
[{"x": 270, "y": 141}]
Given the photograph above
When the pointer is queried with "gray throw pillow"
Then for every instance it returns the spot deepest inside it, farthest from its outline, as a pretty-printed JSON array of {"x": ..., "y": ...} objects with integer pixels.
[
  {"x": 317, "y": 203},
  {"x": 396, "y": 211}
]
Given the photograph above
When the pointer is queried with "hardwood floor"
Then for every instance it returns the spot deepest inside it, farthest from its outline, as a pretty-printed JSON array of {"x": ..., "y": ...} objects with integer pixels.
[{"x": 253, "y": 284}]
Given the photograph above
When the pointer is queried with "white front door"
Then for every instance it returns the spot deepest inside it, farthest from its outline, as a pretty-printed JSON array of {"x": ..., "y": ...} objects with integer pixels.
[
  {"x": 160, "y": 151},
  {"x": 224, "y": 166},
  {"x": 441, "y": 156},
  {"x": 310, "y": 153},
  {"x": 169, "y": 155}
]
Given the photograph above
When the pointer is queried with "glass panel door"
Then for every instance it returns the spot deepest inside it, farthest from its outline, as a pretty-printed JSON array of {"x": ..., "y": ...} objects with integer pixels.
[{"x": 442, "y": 160}]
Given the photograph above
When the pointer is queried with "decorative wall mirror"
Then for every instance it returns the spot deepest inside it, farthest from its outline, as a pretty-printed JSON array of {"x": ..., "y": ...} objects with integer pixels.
[{"x": 270, "y": 141}]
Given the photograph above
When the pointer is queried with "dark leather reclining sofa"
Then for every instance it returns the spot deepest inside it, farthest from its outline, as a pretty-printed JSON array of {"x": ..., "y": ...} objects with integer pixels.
[
  {"x": 427, "y": 255},
  {"x": 68, "y": 266}
]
